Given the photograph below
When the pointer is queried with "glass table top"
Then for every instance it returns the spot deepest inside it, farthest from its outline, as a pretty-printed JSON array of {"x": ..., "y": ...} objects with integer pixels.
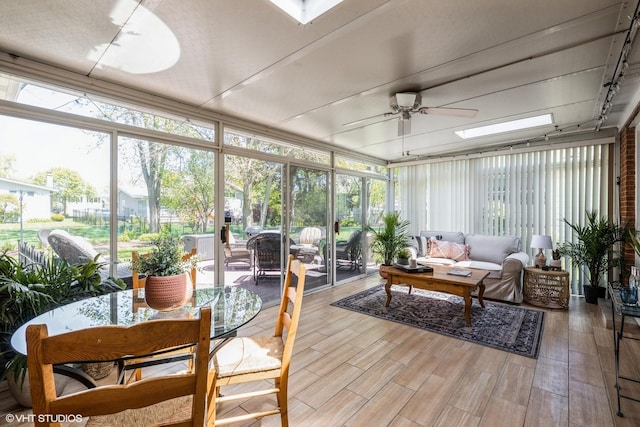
[{"x": 231, "y": 308}]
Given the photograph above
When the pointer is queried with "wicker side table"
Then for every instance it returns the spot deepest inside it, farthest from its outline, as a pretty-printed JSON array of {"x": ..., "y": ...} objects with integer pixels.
[{"x": 546, "y": 288}]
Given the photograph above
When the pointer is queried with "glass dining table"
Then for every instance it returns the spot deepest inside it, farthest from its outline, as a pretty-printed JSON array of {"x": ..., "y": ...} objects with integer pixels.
[{"x": 231, "y": 308}]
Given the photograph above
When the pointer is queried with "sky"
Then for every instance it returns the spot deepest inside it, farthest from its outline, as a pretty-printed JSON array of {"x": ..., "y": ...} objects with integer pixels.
[{"x": 39, "y": 146}]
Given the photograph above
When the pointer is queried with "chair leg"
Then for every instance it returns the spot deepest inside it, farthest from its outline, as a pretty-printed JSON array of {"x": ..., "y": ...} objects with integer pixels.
[
  {"x": 211, "y": 400},
  {"x": 282, "y": 402}
]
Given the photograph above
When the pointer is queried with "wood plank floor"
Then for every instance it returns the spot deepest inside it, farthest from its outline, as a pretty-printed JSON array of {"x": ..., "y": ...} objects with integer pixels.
[{"x": 354, "y": 370}]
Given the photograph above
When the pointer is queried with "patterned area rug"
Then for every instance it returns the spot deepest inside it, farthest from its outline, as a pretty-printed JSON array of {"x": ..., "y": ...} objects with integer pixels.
[{"x": 505, "y": 327}]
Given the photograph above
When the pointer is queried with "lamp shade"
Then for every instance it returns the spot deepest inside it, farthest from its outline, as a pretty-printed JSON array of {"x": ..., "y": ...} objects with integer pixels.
[{"x": 541, "y": 241}]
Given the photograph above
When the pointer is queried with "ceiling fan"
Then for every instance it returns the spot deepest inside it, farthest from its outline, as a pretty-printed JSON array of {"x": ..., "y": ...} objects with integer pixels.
[{"x": 404, "y": 104}]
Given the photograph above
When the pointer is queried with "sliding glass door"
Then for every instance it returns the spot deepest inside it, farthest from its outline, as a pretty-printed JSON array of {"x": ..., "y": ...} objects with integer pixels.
[
  {"x": 308, "y": 221},
  {"x": 255, "y": 247},
  {"x": 349, "y": 238}
]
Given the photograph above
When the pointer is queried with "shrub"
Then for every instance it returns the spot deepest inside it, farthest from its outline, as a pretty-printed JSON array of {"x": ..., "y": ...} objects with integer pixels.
[
  {"x": 37, "y": 220},
  {"x": 149, "y": 237},
  {"x": 57, "y": 217},
  {"x": 7, "y": 246}
]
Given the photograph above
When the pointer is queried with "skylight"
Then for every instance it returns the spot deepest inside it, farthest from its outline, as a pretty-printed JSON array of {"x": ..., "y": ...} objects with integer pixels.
[
  {"x": 529, "y": 122},
  {"x": 305, "y": 11}
]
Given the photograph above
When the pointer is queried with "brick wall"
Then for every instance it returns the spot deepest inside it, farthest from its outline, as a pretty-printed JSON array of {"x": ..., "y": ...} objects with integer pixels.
[{"x": 628, "y": 185}]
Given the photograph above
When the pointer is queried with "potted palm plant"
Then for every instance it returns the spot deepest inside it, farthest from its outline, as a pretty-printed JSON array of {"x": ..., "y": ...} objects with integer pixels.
[
  {"x": 28, "y": 290},
  {"x": 593, "y": 252},
  {"x": 389, "y": 239},
  {"x": 167, "y": 285}
]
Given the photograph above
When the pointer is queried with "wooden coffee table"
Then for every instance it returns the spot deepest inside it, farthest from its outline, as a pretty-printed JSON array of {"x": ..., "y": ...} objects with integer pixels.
[{"x": 440, "y": 281}]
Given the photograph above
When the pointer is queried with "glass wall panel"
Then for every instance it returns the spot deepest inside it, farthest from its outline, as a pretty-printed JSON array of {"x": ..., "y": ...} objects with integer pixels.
[
  {"x": 249, "y": 141},
  {"x": 83, "y": 104},
  {"x": 349, "y": 213},
  {"x": 255, "y": 252},
  {"x": 357, "y": 165},
  {"x": 53, "y": 179},
  {"x": 376, "y": 198},
  {"x": 308, "y": 221},
  {"x": 166, "y": 190}
]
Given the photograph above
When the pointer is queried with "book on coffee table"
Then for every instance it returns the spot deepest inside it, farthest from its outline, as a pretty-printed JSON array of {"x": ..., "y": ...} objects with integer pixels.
[{"x": 456, "y": 272}]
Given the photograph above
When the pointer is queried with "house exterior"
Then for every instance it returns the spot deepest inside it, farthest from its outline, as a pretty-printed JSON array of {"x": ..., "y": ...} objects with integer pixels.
[{"x": 36, "y": 199}]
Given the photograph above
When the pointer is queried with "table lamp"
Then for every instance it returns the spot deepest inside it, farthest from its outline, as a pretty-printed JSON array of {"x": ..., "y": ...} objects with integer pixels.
[{"x": 541, "y": 242}]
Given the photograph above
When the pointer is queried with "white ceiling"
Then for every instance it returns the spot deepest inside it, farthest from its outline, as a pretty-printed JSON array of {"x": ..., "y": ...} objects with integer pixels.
[{"x": 507, "y": 59}]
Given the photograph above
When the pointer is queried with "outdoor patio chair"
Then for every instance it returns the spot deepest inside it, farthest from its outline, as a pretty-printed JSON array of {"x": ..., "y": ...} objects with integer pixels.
[
  {"x": 77, "y": 250},
  {"x": 307, "y": 247},
  {"x": 267, "y": 253},
  {"x": 267, "y": 250},
  {"x": 236, "y": 254},
  {"x": 43, "y": 236},
  {"x": 349, "y": 253}
]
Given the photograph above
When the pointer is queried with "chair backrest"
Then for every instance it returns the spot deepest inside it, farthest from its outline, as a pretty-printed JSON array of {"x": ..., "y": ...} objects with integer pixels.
[
  {"x": 310, "y": 236},
  {"x": 106, "y": 343},
  {"x": 72, "y": 249},
  {"x": 354, "y": 246},
  {"x": 290, "y": 307},
  {"x": 138, "y": 282},
  {"x": 43, "y": 236},
  {"x": 268, "y": 251}
]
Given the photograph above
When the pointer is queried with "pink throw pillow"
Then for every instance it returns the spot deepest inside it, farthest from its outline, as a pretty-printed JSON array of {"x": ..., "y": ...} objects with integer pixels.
[{"x": 444, "y": 249}]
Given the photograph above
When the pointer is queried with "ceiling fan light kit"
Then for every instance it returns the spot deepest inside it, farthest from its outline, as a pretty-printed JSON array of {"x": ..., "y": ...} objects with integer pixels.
[{"x": 405, "y": 101}]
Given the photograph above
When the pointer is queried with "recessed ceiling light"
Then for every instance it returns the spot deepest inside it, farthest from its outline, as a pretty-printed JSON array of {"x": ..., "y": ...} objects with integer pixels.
[
  {"x": 305, "y": 11},
  {"x": 529, "y": 122}
]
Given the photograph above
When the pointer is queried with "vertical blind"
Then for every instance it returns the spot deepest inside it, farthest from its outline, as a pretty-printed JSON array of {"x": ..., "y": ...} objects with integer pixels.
[{"x": 518, "y": 194}]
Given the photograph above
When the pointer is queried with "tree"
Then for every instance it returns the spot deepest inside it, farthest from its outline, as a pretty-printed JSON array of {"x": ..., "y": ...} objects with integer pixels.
[
  {"x": 6, "y": 165},
  {"x": 151, "y": 157},
  {"x": 257, "y": 178},
  {"x": 308, "y": 192},
  {"x": 9, "y": 208},
  {"x": 189, "y": 191},
  {"x": 69, "y": 185}
]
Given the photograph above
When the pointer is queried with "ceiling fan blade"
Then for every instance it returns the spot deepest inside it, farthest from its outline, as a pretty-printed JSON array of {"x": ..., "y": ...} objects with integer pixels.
[
  {"x": 459, "y": 112},
  {"x": 355, "y": 122}
]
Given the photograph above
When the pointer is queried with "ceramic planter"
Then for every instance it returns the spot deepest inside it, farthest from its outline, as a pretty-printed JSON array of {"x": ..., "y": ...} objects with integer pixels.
[{"x": 165, "y": 293}]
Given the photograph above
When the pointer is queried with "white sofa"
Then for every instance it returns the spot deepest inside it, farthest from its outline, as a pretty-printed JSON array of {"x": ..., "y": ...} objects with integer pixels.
[{"x": 500, "y": 255}]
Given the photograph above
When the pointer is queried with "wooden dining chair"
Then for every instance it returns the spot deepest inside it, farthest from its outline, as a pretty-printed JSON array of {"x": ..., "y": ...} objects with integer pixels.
[
  {"x": 138, "y": 282},
  {"x": 254, "y": 359},
  {"x": 178, "y": 399}
]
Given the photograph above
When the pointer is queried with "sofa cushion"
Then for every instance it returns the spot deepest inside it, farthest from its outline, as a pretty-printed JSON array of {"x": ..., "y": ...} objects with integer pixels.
[
  {"x": 440, "y": 261},
  {"x": 445, "y": 249},
  {"x": 421, "y": 245},
  {"x": 495, "y": 270},
  {"x": 449, "y": 236},
  {"x": 491, "y": 248}
]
